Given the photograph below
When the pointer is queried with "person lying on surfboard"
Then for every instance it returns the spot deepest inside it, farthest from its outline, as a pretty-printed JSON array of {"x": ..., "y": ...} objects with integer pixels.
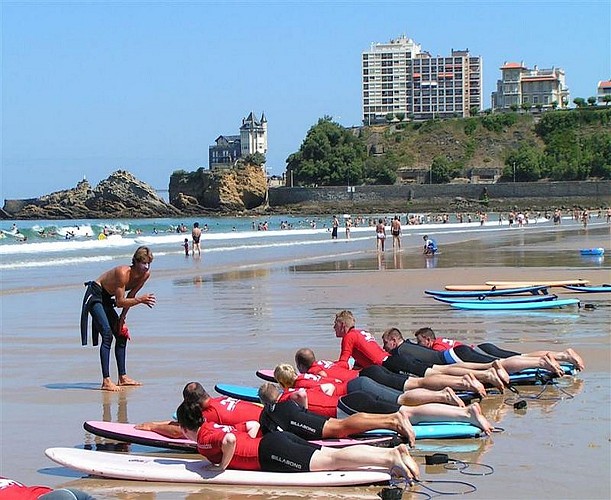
[
  {"x": 240, "y": 447},
  {"x": 364, "y": 349},
  {"x": 290, "y": 412},
  {"x": 426, "y": 337},
  {"x": 220, "y": 410},
  {"x": 306, "y": 362}
]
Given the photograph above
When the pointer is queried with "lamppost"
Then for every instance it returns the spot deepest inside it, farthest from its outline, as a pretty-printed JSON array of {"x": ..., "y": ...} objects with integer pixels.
[{"x": 514, "y": 171}]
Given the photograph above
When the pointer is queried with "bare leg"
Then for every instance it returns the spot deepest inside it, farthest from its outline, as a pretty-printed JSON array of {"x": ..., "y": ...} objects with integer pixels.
[
  {"x": 437, "y": 381},
  {"x": 568, "y": 356},
  {"x": 418, "y": 396},
  {"x": 493, "y": 375},
  {"x": 125, "y": 380},
  {"x": 109, "y": 385},
  {"x": 361, "y": 422},
  {"x": 438, "y": 413},
  {"x": 353, "y": 457}
]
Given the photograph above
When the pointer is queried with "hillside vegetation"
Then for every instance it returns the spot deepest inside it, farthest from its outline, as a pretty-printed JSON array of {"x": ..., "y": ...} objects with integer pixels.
[{"x": 557, "y": 145}]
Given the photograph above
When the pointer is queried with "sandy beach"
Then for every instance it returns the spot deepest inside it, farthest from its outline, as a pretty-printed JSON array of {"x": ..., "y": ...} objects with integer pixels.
[{"x": 222, "y": 324}]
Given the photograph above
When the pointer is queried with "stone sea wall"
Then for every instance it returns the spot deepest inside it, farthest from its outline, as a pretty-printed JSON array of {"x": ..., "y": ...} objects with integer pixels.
[{"x": 598, "y": 192}]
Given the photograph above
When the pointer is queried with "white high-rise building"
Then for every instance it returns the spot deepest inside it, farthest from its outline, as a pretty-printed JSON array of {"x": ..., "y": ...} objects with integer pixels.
[{"x": 402, "y": 81}]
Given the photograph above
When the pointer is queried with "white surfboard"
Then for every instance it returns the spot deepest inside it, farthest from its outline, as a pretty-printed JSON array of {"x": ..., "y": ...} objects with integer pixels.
[
  {"x": 182, "y": 470},
  {"x": 516, "y": 284}
]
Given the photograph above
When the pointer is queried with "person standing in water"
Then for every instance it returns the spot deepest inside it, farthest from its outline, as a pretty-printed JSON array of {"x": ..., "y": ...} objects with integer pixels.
[
  {"x": 116, "y": 288},
  {"x": 196, "y": 234}
]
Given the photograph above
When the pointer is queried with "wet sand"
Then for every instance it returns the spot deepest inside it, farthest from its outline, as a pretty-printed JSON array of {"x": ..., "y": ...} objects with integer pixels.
[{"x": 222, "y": 327}]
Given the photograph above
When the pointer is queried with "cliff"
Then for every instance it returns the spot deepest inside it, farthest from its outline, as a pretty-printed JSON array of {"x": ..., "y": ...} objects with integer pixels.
[
  {"x": 119, "y": 196},
  {"x": 231, "y": 190}
]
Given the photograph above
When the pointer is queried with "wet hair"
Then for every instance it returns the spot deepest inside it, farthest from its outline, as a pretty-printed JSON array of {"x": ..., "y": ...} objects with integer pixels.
[
  {"x": 189, "y": 416},
  {"x": 269, "y": 393},
  {"x": 304, "y": 359},
  {"x": 346, "y": 318},
  {"x": 425, "y": 332},
  {"x": 142, "y": 254},
  {"x": 196, "y": 224},
  {"x": 194, "y": 393},
  {"x": 425, "y": 237},
  {"x": 392, "y": 333},
  {"x": 285, "y": 374}
]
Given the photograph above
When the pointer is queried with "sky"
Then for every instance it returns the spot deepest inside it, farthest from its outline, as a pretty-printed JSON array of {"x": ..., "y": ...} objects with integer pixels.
[{"x": 92, "y": 87}]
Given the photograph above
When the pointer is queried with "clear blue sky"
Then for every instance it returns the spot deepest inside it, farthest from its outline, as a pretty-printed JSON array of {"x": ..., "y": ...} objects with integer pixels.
[{"x": 92, "y": 87}]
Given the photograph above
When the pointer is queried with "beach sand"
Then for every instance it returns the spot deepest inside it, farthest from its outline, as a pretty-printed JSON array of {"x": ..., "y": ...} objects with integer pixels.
[{"x": 222, "y": 327}]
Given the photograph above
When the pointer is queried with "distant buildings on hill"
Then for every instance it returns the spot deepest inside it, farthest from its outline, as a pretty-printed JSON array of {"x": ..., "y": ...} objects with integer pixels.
[
  {"x": 400, "y": 80},
  {"x": 603, "y": 92},
  {"x": 519, "y": 85},
  {"x": 227, "y": 149}
]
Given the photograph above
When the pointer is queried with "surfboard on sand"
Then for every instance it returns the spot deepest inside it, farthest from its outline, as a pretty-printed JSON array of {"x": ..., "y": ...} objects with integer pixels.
[
  {"x": 481, "y": 305},
  {"x": 538, "y": 283},
  {"x": 488, "y": 292},
  {"x": 497, "y": 300},
  {"x": 183, "y": 470},
  {"x": 591, "y": 289},
  {"x": 128, "y": 433}
]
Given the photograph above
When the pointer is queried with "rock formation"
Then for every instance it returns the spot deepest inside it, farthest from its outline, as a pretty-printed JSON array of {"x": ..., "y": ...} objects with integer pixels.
[
  {"x": 119, "y": 196},
  {"x": 231, "y": 190}
]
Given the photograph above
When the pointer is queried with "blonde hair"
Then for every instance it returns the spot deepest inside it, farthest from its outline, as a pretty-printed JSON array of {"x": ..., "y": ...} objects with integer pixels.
[
  {"x": 286, "y": 375},
  {"x": 346, "y": 318}
]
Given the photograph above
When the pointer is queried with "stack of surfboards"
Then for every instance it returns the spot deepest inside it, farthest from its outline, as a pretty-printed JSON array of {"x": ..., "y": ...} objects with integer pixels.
[{"x": 506, "y": 295}]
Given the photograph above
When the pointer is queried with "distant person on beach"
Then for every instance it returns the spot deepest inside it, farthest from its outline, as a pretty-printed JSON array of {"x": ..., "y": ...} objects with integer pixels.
[
  {"x": 121, "y": 283},
  {"x": 348, "y": 225},
  {"x": 380, "y": 235},
  {"x": 430, "y": 247},
  {"x": 186, "y": 246},
  {"x": 241, "y": 448},
  {"x": 395, "y": 230},
  {"x": 335, "y": 225},
  {"x": 221, "y": 410},
  {"x": 196, "y": 234}
]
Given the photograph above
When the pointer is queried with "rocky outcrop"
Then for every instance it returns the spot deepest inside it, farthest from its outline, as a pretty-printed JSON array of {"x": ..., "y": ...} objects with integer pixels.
[
  {"x": 232, "y": 190},
  {"x": 119, "y": 196}
]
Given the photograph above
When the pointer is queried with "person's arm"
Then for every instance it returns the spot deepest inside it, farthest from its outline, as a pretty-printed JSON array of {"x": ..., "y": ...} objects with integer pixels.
[
  {"x": 328, "y": 389},
  {"x": 168, "y": 428},
  {"x": 346, "y": 351},
  {"x": 252, "y": 427},
  {"x": 300, "y": 397},
  {"x": 228, "y": 448},
  {"x": 127, "y": 302}
]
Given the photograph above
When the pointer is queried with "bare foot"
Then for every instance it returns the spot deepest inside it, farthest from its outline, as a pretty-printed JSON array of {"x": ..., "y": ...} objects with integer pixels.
[
  {"x": 109, "y": 385},
  {"x": 477, "y": 418},
  {"x": 125, "y": 380},
  {"x": 451, "y": 398},
  {"x": 474, "y": 385},
  {"x": 404, "y": 426},
  {"x": 575, "y": 359},
  {"x": 406, "y": 462},
  {"x": 500, "y": 371},
  {"x": 491, "y": 376},
  {"x": 552, "y": 365}
]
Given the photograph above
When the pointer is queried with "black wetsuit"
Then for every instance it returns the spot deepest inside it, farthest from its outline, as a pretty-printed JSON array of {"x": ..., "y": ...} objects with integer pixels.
[
  {"x": 288, "y": 416},
  {"x": 100, "y": 304}
]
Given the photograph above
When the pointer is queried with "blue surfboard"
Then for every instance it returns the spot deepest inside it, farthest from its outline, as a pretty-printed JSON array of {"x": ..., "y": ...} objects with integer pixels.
[
  {"x": 534, "y": 290},
  {"x": 493, "y": 300},
  {"x": 523, "y": 306},
  {"x": 606, "y": 288}
]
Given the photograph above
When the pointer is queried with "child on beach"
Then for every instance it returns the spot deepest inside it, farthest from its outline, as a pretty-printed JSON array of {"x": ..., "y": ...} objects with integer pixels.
[{"x": 186, "y": 246}]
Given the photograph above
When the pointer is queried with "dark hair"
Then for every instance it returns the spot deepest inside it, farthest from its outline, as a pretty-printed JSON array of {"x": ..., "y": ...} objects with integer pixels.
[
  {"x": 189, "y": 416},
  {"x": 194, "y": 392},
  {"x": 304, "y": 359},
  {"x": 425, "y": 332},
  {"x": 142, "y": 254}
]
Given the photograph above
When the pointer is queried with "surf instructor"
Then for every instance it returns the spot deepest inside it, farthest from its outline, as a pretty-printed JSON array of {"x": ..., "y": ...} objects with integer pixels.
[{"x": 116, "y": 288}]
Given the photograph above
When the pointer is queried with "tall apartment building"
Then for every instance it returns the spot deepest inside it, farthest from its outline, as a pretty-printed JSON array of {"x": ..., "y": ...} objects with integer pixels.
[
  {"x": 520, "y": 85},
  {"x": 227, "y": 149},
  {"x": 400, "y": 79}
]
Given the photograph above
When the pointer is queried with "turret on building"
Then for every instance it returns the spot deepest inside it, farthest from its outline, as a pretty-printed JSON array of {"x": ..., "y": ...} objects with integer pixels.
[{"x": 228, "y": 149}]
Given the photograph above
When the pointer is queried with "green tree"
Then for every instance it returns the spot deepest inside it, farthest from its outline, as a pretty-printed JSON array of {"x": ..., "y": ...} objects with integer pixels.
[
  {"x": 526, "y": 106},
  {"x": 257, "y": 159},
  {"x": 400, "y": 116},
  {"x": 554, "y": 104},
  {"x": 379, "y": 170},
  {"x": 539, "y": 107},
  {"x": 592, "y": 101},
  {"x": 607, "y": 99},
  {"x": 523, "y": 165},
  {"x": 514, "y": 107},
  {"x": 474, "y": 111},
  {"x": 443, "y": 170},
  {"x": 389, "y": 117},
  {"x": 580, "y": 102},
  {"x": 330, "y": 155}
]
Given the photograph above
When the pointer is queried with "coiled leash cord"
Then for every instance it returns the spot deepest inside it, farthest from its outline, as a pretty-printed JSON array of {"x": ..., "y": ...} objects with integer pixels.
[
  {"x": 519, "y": 401},
  {"x": 399, "y": 481}
]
